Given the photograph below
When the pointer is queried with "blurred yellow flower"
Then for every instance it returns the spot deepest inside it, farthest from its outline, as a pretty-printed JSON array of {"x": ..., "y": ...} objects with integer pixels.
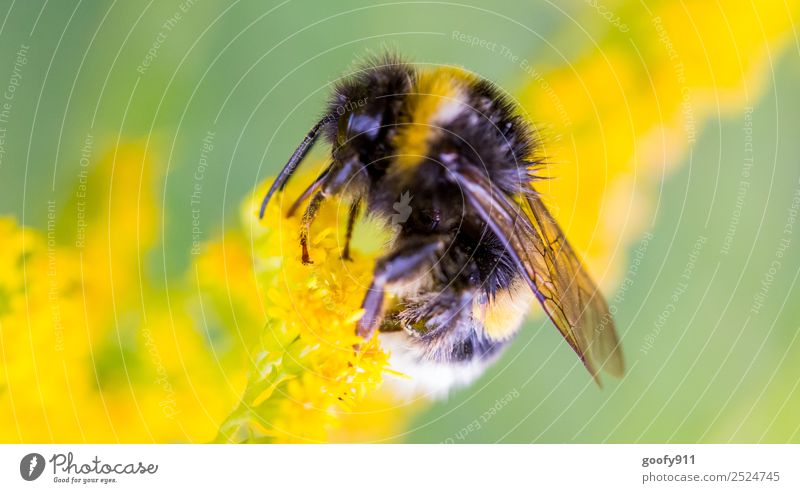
[
  {"x": 628, "y": 107},
  {"x": 92, "y": 351}
]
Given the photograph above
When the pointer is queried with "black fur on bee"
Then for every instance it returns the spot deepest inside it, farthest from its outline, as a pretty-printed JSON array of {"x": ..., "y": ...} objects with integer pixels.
[{"x": 476, "y": 230}]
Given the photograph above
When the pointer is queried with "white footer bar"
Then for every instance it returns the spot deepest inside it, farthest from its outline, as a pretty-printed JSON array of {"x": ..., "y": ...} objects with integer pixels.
[{"x": 387, "y": 468}]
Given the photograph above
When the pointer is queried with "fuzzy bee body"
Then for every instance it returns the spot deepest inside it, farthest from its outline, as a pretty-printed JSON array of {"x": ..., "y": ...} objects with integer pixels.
[
  {"x": 466, "y": 345},
  {"x": 474, "y": 245}
]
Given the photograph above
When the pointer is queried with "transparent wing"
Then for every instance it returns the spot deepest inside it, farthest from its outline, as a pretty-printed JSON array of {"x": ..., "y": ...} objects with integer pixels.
[{"x": 555, "y": 274}]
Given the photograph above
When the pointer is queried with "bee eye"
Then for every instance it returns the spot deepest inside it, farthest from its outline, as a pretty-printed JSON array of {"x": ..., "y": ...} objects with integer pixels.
[
  {"x": 365, "y": 125},
  {"x": 357, "y": 125}
]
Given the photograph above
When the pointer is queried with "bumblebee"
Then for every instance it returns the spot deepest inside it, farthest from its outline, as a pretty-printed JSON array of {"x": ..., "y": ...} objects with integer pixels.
[{"x": 476, "y": 246}]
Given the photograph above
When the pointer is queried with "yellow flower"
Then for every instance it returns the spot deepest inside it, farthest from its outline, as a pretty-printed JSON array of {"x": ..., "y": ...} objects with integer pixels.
[
  {"x": 305, "y": 373},
  {"x": 92, "y": 350},
  {"x": 622, "y": 113}
]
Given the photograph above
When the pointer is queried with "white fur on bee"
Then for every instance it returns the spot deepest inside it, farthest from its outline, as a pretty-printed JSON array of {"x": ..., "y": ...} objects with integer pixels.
[{"x": 423, "y": 378}]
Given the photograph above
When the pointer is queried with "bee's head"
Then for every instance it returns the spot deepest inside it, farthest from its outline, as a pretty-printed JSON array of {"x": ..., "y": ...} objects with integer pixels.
[
  {"x": 358, "y": 127},
  {"x": 357, "y": 135},
  {"x": 360, "y": 122},
  {"x": 364, "y": 106}
]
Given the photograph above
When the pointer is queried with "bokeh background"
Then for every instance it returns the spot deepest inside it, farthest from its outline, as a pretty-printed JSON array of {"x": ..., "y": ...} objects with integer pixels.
[{"x": 132, "y": 134}]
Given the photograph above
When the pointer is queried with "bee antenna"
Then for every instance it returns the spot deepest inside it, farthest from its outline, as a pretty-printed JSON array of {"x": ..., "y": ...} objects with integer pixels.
[{"x": 291, "y": 166}]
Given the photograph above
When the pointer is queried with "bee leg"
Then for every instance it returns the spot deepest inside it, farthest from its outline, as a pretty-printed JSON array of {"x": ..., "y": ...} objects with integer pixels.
[
  {"x": 403, "y": 263},
  {"x": 308, "y": 218},
  {"x": 355, "y": 209},
  {"x": 328, "y": 184},
  {"x": 314, "y": 187}
]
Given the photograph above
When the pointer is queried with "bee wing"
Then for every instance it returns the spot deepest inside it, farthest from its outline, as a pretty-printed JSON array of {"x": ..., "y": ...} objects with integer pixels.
[{"x": 555, "y": 274}]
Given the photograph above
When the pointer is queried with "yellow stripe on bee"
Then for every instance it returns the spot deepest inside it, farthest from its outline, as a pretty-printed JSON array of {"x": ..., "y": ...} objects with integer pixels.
[
  {"x": 436, "y": 99},
  {"x": 503, "y": 315}
]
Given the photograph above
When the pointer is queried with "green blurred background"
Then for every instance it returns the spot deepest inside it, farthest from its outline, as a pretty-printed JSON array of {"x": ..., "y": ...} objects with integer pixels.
[{"x": 256, "y": 74}]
